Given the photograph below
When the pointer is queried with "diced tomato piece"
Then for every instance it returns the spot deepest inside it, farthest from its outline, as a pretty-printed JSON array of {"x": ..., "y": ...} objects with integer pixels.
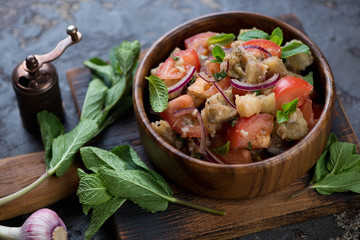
[
  {"x": 236, "y": 156},
  {"x": 211, "y": 67},
  {"x": 290, "y": 87},
  {"x": 172, "y": 69},
  {"x": 271, "y": 47},
  {"x": 308, "y": 113},
  {"x": 203, "y": 89},
  {"x": 186, "y": 125},
  {"x": 199, "y": 43},
  {"x": 253, "y": 131}
]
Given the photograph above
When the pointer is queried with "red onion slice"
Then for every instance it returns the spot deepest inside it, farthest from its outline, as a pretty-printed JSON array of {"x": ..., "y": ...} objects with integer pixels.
[
  {"x": 258, "y": 48},
  {"x": 193, "y": 111},
  {"x": 180, "y": 84},
  {"x": 256, "y": 86},
  {"x": 213, "y": 81}
]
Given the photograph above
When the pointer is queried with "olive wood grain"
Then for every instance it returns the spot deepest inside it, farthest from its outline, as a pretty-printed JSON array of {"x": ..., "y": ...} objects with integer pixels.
[{"x": 19, "y": 171}]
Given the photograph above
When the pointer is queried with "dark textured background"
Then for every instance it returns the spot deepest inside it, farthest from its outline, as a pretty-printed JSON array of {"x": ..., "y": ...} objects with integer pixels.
[{"x": 36, "y": 26}]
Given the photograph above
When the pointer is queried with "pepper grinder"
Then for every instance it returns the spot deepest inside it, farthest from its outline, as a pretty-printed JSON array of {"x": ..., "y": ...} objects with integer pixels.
[{"x": 35, "y": 82}]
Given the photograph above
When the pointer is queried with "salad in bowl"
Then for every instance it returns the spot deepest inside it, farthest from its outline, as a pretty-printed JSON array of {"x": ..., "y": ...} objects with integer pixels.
[{"x": 234, "y": 99}]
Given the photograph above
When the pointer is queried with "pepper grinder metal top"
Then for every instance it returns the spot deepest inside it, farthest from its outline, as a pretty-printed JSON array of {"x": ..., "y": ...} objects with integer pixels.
[{"x": 35, "y": 82}]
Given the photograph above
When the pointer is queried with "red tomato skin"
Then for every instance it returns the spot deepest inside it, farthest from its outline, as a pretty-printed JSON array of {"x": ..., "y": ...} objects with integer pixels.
[
  {"x": 236, "y": 156},
  {"x": 199, "y": 42},
  {"x": 308, "y": 113},
  {"x": 168, "y": 70},
  {"x": 290, "y": 87},
  {"x": 271, "y": 47},
  {"x": 255, "y": 129},
  {"x": 177, "y": 123}
]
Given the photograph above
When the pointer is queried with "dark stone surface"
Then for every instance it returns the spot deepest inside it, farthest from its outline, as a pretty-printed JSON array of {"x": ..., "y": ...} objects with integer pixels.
[{"x": 36, "y": 26}]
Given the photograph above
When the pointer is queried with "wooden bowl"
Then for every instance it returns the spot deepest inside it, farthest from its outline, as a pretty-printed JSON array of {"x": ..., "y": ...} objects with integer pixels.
[{"x": 239, "y": 181}]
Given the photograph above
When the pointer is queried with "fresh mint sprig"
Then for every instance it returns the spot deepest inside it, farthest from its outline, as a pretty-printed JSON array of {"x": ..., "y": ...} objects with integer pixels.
[
  {"x": 293, "y": 48},
  {"x": 119, "y": 175},
  {"x": 253, "y": 34},
  {"x": 108, "y": 96},
  {"x": 221, "y": 39},
  {"x": 218, "y": 53},
  {"x": 277, "y": 36},
  {"x": 286, "y": 109},
  {"x": 159, "y": 94},
  {"x": 337, "y": 170}
]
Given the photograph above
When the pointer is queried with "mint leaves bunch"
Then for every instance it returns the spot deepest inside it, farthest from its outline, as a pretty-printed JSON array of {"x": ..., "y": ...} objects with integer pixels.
[
  {"x": 108, "y": 96},
  {"x": 119, "y": 175},
  {"x": 337, "y": 170}
]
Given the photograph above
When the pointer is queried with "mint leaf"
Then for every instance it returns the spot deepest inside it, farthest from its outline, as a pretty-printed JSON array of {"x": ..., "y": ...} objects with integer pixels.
[
  {"x": 218, "y": 53},
  {"x": 94, "y": 100},
  {"x": 101, "y": 213},
  {"x": 221, "y": 39},
  {"x": 341, "y": 182},
  {"x": 91, "y": 190},
  {"x": 309, "y": 78},
  {"x": 94, "y": 158},
  {"x": 340, "y": 154},
  {"x": 223, "y": 150},
  {"x": 220, "y": 75},
  {"x": 277, "y": 36},
  {"x": 287, "y": 109},
  {"x": 67, "y": 145},
  {"x": 137, "y": 186},
  {"x": 159, "y": 95},
  {"x": 293, "y": 48},
  {"x": 50, "y": 128},
  {"x": 129, "y": 157},
  {"x": 101, "y": 69},
  {"x": 320, "y": 167},
  {"x": 253, "y": 34}
]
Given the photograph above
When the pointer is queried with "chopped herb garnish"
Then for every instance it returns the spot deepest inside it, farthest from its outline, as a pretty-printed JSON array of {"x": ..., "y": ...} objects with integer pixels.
[
  {"x": 221, "y": 39},
  {"x": 223, "y": 150},
  {"x": 257, "y": 92},
  {"x": 220, "y": 75},
  {"x": 192, "y": 80},
  {"x": 175, "y": 58},
  {"x": 287, "y": 109},
  {"x": 233, "y": 121},
  {"x": 218, "y": 54},
  {"x": 250, "y": 146}
]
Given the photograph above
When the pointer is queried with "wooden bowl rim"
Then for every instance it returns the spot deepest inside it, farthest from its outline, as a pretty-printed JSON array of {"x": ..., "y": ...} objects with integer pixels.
[{"x": 277, "y": 159}]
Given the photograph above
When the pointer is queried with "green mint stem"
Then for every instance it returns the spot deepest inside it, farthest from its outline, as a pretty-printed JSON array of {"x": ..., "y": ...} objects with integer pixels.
[
  {"x": 28, "y": 188},
  {"x": 302, "y": 191},
  {"x": 198, "y": 207}
]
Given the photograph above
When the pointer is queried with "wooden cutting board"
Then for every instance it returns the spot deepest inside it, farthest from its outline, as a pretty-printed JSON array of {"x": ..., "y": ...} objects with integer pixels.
[{"x": 243, "y": 217}]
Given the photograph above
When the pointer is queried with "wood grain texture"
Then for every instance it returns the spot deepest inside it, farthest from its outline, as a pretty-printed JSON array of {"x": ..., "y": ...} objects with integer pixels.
[{"x": 19, "y": 171}]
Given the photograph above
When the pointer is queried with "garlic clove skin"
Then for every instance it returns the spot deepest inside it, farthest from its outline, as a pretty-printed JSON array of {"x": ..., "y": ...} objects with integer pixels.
[{"x": 43, "y": 224}]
